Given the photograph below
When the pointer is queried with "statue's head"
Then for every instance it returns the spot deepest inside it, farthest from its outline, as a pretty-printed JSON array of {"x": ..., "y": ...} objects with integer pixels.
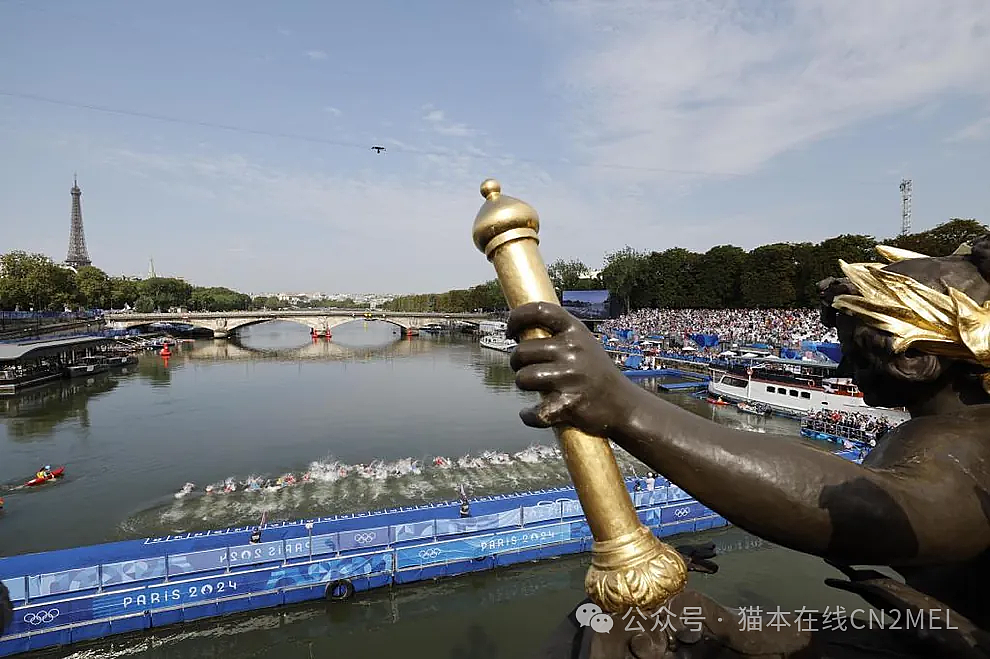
[{"x": 915, "y": 326}]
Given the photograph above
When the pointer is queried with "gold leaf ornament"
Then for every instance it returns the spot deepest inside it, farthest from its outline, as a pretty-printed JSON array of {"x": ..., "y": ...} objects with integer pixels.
[{"x": 950, "y": 325}]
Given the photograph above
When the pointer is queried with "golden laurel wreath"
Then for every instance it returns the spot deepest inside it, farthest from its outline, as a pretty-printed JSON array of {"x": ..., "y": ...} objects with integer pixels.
[{"x": 950, "y": 325}]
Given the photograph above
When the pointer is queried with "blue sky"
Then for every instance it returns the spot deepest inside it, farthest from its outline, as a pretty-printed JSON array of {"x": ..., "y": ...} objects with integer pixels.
[{"x": 642, "y": 122}]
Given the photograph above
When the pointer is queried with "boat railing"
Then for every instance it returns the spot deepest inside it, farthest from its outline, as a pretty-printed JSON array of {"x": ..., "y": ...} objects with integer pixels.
[
  {"x": 26, "y": 371},
  {"x": 782, "y": 377},
  {"x": 844, "y": 430}
]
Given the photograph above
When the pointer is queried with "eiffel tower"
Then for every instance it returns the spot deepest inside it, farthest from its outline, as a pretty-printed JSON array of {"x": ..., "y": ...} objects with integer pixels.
[{"x": 78, "y": 255}]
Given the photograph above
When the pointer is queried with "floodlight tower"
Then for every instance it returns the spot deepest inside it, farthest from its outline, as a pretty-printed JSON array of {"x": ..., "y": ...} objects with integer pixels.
[{"x": 905, "y": 206}]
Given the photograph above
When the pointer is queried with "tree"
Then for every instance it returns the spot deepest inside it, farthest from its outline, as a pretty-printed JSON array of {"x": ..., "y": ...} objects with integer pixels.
[
  {"x": 567, "y": 275},
  {"x": 144, "y": 304},
  {"x": 95, "y": 290},
  {"x": 718, "y": 273},
  {"x": 622, "y": 270},
  {"x": 218, "y": 299},
  {"x": 768, "y": 279},
  {"x": 487, "y": 297},
  {"x": 166, "y": 292},
  {"x": 943, "y": 239},
  {"x": 34, "y": 281},
  {"x": 818, "y": 262},
  {"x": 124, "y": 291}
]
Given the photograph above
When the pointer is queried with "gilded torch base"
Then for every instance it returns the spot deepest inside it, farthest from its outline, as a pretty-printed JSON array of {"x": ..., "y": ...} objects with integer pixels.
[{"x": 634, "y": 570}]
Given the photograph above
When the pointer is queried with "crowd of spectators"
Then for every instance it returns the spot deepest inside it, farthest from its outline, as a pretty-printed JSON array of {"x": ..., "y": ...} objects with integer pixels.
[
  {"x": 852, "y": 425},
  {"x": 776, "y": 327}
]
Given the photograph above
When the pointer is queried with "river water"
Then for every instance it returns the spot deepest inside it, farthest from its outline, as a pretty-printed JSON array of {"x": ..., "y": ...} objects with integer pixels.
[{"x": 274, "y": 402}]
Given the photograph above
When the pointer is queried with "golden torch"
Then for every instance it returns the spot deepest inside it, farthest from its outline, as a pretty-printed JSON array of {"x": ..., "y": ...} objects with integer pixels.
[{"x": 630, "y": 567}]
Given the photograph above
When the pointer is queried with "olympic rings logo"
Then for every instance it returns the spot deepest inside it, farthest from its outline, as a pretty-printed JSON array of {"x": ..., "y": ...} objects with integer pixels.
[
  {"x": 682, "y": 512},
  {"x": 41, "y": 617},
  {"x": 430, "y": 553},
  {"x": 364, "y": 538}
]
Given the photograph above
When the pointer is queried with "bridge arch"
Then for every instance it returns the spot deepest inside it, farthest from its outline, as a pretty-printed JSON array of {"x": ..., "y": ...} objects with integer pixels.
[
  {"x": 319, "y": 323},
  {"x": 321, "y": 320},
  {"x": 224, "y": 326}
]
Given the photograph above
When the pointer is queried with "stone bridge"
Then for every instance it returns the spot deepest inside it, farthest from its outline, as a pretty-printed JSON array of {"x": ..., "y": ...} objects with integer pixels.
[{"x": 223, "y": 323}]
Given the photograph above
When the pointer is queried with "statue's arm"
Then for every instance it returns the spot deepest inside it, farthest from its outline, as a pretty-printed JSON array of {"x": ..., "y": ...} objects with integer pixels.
[
  {"x": 927, "y": 507},
  {"x": 922, "y": 509}
]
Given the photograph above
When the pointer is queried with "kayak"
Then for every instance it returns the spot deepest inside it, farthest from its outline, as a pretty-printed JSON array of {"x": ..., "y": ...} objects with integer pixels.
[
  {"x": 56, "y": 473},
  {"x": 715, "y": 401}
]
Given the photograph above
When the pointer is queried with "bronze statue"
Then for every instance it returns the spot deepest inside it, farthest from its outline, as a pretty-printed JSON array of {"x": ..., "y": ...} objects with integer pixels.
[
  {"x": 916, "y": 334},
  {"x": 6, "y": 609}
]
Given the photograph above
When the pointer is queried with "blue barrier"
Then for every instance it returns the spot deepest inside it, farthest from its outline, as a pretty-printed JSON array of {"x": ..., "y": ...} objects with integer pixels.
[
  {"x": 79, "y": 594},
  {"x": 114, "y": 574},
  {"x": 50, "y": 315}
]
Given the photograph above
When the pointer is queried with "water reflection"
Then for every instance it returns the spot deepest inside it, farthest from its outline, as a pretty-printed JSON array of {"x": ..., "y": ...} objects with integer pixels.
[
  {"x": 495, "y": 370},
  {"x": 284, "y": 341},
  {"x": 39, "y": 412},
  {"x": 157, "y": 370}
]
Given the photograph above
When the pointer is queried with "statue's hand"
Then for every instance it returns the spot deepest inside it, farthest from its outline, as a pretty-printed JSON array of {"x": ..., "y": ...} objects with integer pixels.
[{"x": 583, "y": 387}]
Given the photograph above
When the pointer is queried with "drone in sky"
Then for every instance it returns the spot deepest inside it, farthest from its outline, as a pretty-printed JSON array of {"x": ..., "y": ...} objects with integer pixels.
[{"x": 378, "y": 149}]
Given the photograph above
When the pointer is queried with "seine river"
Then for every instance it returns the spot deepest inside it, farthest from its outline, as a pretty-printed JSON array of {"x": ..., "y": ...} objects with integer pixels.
[{"x": 274, "y": 402}]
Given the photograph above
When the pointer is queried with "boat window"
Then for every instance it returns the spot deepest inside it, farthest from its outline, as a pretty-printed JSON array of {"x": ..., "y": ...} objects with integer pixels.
[
  {"x": 794, "y": 393},
  {"x": 805, "y": 394},
  {"x": 771, "y": 390}
]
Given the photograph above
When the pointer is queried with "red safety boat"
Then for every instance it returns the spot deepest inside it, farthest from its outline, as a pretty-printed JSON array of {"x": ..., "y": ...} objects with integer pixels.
[{"x": 56, "y": 473}]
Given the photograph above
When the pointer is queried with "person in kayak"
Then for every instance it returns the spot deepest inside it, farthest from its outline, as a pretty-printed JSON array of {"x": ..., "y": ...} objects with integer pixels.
[{"x": 44, "y": 473}]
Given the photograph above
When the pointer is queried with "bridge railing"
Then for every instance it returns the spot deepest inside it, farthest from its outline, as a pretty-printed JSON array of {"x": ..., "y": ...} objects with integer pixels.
[{"x": 357, "y": 313}]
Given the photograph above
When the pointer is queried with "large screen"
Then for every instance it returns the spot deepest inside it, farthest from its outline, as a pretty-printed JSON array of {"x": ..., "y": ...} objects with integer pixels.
[{"x": 589, "y": 305}]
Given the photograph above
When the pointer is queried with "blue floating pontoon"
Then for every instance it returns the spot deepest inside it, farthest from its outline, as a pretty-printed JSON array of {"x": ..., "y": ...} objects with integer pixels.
[{"x": 72, "y": 595}]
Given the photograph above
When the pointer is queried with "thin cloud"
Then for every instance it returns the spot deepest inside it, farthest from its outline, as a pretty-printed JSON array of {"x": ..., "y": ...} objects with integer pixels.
[
  {"x": 440, "y": 125},
  {"x": 430, "y": 205},
  {"x": 316, "y": 55},
  {"x": 977, "y": 131},
  {"x": 727, "y": 86},
  {"x": 332, "y": 111}
]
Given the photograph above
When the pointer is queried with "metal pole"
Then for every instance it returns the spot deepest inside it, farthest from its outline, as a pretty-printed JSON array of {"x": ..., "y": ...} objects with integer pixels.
[{"x": 309, "y": 533}]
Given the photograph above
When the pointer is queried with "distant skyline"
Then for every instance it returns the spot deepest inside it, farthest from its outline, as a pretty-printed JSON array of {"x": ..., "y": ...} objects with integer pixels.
[{"x": 231, "y": 141}]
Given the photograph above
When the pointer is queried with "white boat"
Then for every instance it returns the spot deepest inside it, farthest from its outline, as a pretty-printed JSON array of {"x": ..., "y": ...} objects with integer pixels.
[
  {"x": 498, "y": 342},
  {"x": 486, "y": 327},
  {"x": 118, "y": 361},
  {"x": 88, "y": 366},
  {"x": 793, "y": 388}
]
